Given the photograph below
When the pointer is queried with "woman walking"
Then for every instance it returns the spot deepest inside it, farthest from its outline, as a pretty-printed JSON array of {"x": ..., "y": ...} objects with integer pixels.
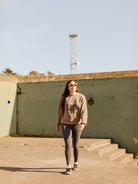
[{"x": 72, "y": 117}]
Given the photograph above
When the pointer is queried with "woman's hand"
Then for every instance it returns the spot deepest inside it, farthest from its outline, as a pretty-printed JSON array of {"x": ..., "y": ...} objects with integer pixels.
[
  {"x": 58, "y": 130},
  {"x": 81, "y": 127}
]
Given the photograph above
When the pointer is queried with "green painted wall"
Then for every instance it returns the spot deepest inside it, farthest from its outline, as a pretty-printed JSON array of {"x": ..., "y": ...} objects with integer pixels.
[
  {"x": 37, "y": 107},
  {"x": 7, "y": 108},
  {"x": 114, "y": 113}
]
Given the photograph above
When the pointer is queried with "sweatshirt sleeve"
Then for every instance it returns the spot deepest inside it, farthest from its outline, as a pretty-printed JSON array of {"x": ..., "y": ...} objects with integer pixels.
[
  {"x": 59, "y": 113},
  {"x": 84, "y": 113}
]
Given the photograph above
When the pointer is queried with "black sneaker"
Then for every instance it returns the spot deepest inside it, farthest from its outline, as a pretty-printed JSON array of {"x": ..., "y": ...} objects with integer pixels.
[
  {"x": 76, "y": 167},
  {"x": 68, "y": 171}
]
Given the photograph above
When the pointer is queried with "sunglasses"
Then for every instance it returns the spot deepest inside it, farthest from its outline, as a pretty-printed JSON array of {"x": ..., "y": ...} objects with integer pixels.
[{"x": 73, "y": 84}]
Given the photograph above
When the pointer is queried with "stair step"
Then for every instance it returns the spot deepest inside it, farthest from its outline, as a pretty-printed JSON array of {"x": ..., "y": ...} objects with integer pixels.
[
  {"x": 107, "y": 148},
  {"x": 133, "y": 162},
  {"x": 125, "y": 158},
  {"x": 115, "y": 154},
  {"x": 98, "y": 144}
]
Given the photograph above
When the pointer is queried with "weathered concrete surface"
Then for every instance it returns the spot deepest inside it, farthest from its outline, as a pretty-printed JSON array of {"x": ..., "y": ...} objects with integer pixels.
[
  {"x": 28, "y": 105},
  {"x": 41, "y": 160},
  {"x": 101, "y": 75},
  {"x": 8, "y": 111},
  {"x": 113, "y": 114}
]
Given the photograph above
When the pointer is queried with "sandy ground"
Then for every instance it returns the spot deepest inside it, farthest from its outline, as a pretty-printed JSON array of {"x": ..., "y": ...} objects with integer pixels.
[{"x": 42, "y": 161}]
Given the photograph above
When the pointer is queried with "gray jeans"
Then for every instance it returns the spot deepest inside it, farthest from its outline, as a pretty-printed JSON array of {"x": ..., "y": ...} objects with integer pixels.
[{"x": 71, "y": 134}]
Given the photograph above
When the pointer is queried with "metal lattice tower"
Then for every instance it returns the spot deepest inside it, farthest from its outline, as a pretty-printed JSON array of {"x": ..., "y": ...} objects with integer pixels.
[{"x": 73, "y": 53}]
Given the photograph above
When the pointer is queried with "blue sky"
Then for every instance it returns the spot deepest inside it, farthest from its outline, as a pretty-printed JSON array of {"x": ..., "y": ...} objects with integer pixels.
[{"x": 34, "y": 35}]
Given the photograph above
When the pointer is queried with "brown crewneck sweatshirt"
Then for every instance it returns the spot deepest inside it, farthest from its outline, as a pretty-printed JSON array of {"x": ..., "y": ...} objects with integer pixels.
[{"x": 75, "y": 110}]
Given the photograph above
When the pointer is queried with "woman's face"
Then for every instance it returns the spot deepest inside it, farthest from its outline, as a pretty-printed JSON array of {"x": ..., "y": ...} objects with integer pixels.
[{"x": 72, "y": 86}]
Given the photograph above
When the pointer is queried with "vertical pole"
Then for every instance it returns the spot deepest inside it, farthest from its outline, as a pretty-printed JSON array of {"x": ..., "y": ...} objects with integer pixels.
[
  {"x": 71, "y": 63},
  {"x": 73, "y": 53}
]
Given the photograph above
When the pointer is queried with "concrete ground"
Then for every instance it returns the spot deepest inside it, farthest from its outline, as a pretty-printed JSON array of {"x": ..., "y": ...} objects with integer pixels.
[{"x": 42, "y": 161}]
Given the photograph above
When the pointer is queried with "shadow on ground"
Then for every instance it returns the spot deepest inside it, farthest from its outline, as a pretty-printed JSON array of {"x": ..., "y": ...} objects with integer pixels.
[{"x": 20, "y": 169}]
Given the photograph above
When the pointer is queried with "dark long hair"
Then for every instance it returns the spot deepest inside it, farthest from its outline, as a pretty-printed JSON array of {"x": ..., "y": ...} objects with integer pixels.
[{"x": 65, "y": 94}]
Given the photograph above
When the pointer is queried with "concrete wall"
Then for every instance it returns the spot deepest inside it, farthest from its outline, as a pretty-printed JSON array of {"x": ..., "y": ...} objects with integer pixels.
[
  {"x": 37, "y": 107},
  {"x": 114, "y": 113},
  {"x": 7, "y": 106},
  {"x": 33, "y": 112}
]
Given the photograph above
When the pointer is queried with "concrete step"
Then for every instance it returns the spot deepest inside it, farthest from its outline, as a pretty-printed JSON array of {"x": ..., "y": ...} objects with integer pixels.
[
  {"x": 133, "y": 162},
  {"x": 122, "y": 157},
  {"x": 99, "y": 143},
  {"x": 107, "y": 149},
  {"x": 127, "y": 157},
  {"x": 115, "y": 154}
]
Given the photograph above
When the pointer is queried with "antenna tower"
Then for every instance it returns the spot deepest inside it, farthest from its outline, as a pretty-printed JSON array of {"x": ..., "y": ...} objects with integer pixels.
[{"x": 73, "y": 53}]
